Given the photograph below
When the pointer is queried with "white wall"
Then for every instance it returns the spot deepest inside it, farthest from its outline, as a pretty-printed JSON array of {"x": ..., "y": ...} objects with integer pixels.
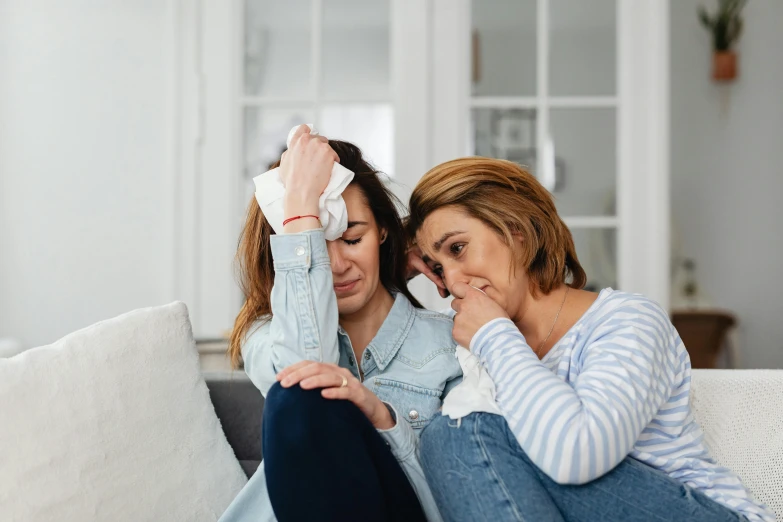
[
  {"x": 727, "y": 173},
  {"x": 85, "y": 223}
]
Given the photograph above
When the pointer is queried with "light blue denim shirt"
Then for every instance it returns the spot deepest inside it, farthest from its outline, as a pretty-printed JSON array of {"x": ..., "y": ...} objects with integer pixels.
[{"x": 410, "y": 363}]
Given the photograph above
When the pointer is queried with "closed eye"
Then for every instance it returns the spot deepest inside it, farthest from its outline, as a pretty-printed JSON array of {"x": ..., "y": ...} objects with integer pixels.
[{"x": 353, "y": 241}]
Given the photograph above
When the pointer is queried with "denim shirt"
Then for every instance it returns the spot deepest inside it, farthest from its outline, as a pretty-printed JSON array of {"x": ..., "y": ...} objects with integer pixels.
[{"x": 409, "y": 364}]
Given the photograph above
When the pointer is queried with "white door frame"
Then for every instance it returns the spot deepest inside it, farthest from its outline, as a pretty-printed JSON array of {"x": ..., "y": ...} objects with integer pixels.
[
  {"x": 207, "y": 170},
  {"x": 642, "y": 131},
  {"x": 643, "y": 146},
  {"x": 430, "y": 56},
  {"x": 209, "y": 147}
]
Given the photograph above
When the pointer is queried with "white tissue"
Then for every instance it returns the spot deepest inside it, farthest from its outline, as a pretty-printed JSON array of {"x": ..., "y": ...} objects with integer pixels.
[
  {"x": 331, "y": 206},
  {"x": 475, "y": 393}
]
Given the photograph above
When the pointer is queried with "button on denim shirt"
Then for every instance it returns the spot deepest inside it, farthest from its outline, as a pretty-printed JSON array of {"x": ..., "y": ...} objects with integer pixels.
[{"x": 409, "y": 364}]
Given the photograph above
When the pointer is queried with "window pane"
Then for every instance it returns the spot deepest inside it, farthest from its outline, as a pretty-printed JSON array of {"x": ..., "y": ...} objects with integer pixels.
[
  {"x": 504, "y": 47},
  {"x": 582, "y": 41},
  {"x": 277, "y": 48},
  {"x": 368, "y": 126},
  {"x": 356, "y": 48},
  {"x": 265, "y": 133},
  {"x": 584, "y": 143},
  {"x": 508, "y": 134},
  {"x": 596, "y": 249}
]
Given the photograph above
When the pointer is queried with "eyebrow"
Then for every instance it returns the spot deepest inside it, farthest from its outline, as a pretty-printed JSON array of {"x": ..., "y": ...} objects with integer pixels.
[
  {"x": 439, "y": 243},
  {"x": 356, "y": 223}
]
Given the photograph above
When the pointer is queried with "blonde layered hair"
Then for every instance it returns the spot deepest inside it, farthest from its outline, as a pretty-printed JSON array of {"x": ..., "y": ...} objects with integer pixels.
[{"x": 510, "y": 201}]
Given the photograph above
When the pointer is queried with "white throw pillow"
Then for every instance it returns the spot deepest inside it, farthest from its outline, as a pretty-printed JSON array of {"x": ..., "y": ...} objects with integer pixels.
[{"x": 113, "y": 423}]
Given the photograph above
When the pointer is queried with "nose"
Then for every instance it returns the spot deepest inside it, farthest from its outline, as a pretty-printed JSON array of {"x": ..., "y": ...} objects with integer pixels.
[
  {"x": 451, "y": 275},
  {"x": 339, "y": 263}
]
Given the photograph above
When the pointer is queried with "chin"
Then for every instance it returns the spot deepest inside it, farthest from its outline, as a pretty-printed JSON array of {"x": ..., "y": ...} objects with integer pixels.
[{"x": 351, "y": 304}]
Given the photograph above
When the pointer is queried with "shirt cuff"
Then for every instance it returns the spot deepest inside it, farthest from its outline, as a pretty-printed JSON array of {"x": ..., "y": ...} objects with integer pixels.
[
  {"x": 301, "y": 250},
  {"x": 478, "y": 342},
  {"x": 400, "y": 438}
]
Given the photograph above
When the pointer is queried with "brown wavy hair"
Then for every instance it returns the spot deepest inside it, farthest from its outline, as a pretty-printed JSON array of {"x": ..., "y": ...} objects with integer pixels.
[
  {"x": 255, "y": 267},
  {"x": 509, "y": 200}
]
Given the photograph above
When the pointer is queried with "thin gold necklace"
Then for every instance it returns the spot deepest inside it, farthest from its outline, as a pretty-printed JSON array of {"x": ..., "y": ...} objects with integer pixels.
[{"x": 538, "y": 352}]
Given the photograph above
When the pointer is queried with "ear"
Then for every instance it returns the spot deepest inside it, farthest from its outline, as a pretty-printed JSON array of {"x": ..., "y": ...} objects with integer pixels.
[{"x": 383, "y": 235}]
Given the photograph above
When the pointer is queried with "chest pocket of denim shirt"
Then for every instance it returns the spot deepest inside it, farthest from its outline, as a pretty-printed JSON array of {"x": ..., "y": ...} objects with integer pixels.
[{"x": 415, "y": 404}]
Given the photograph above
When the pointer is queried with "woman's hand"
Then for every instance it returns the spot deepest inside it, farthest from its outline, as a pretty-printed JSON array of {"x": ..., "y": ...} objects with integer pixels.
[
  {"x": 310, "y": 375},
  {"x": 305, "y": 170},
  {"x": 474, "y": 309},
  {"x": 416, "y": 266}
]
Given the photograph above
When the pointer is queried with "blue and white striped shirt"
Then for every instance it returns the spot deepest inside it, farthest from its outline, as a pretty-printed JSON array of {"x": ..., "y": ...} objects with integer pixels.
[{"x": 616, "y": 385}]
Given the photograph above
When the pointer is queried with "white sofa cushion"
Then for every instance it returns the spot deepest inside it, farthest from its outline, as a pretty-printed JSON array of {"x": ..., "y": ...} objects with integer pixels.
[
  {"x": 741, "y": 413},
  {"x": 113, "y": 422}
]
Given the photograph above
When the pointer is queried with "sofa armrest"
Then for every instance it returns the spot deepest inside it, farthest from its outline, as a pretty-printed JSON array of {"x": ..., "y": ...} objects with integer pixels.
[{"x": 239, "y": 405}]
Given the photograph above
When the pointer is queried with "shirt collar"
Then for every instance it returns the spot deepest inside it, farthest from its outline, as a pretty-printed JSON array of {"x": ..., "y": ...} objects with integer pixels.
[{"x": 392, "y": 333}]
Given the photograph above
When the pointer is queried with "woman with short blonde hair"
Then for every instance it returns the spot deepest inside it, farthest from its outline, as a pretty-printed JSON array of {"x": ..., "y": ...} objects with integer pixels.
[{"x": 591, "y": 418}]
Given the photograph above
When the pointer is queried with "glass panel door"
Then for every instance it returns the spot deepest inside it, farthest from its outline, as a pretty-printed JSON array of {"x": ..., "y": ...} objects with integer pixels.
[
  {"x": 276, "y": 63},
  {"x": 334, "y": 73},
  {"x": 583, "y": 48},
  {"x": 503, "y": 44},
  {"x": 543, "y": 76},
  {"x": 586, "y": 163},
  {"x": 355, "y": 54}
]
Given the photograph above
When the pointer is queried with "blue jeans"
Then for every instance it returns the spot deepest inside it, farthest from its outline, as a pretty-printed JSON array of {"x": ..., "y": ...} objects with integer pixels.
[
  {"x": 478, "y": 471},
  {"x": 324, "y": 461}
]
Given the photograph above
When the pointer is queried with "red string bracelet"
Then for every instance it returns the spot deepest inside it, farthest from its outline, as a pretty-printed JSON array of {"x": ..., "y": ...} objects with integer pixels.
[{"x": 300, "y": 217}]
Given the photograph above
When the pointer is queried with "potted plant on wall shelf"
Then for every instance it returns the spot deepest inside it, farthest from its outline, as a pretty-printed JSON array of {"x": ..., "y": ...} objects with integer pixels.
[{"x": 725, "y": 25}]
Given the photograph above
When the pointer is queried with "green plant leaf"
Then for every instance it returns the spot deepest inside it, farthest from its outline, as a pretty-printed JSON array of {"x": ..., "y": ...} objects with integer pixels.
[
  {"x": 725, "y": 25},
  {"x": 735, "y": 31},
  {"x": 705, "y": 17}
]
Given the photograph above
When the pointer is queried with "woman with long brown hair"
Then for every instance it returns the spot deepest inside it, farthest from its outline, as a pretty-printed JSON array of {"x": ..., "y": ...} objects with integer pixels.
[
  {"x": 590, "y": 418},
  {"x": 351, "y": 367}
]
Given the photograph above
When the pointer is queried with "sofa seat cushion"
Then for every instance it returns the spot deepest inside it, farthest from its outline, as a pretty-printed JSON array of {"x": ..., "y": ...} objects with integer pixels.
[
  {"x": 741, "y": 413},
  {"x": 250, "y": 466}
]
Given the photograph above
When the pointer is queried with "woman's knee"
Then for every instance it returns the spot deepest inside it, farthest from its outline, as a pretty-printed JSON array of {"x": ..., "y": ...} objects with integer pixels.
[
  {"x": 293, "y": 409},
  {"x": 298, "y": 414},
  {"x": 280, "y": 400}
]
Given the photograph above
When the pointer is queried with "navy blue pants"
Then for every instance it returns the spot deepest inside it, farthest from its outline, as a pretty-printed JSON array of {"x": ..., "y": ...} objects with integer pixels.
[{"x": 324, "y": 460}]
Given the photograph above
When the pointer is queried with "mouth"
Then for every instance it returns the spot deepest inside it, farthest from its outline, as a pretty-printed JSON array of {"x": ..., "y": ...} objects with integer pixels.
[{"x": 345, "y": 287}]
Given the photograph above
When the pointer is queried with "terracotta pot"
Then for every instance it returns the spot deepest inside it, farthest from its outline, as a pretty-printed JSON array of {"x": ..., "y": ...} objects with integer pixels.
[{"x": 724, "y": 66}]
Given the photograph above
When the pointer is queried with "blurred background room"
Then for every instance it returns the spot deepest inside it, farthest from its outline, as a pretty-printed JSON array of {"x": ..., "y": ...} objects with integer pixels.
[{"x": 130, "y": 132}]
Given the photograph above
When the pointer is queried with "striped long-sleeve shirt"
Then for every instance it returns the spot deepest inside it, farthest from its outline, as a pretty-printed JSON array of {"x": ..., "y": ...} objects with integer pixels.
[{"x": 616, "y": 385}]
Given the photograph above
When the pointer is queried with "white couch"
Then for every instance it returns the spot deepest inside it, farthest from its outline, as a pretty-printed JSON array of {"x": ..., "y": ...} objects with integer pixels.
[
  {"x": 741, "y": 413},
  {"x": 114, "y": 422}
]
